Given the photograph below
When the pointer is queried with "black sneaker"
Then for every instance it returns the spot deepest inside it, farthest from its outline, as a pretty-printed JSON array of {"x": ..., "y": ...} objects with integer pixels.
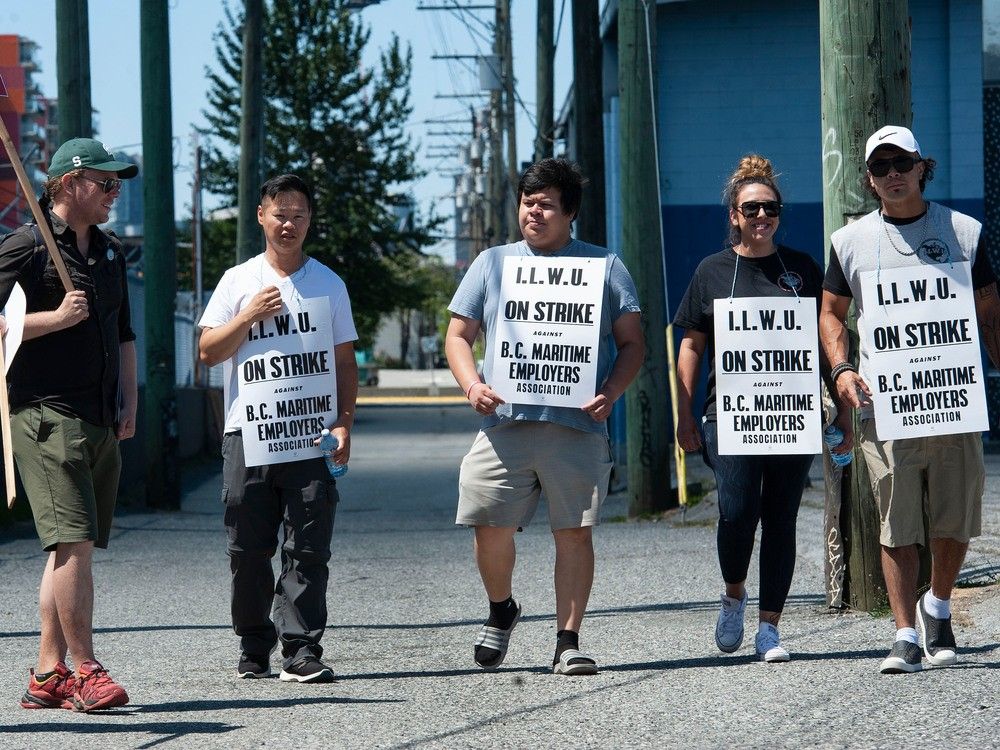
[
  {"x": 253, "y": 666},
  {"x": 307, "y": 669},
  {"x": 938, "y": 638},
  {"x": 904, "y": 657}
]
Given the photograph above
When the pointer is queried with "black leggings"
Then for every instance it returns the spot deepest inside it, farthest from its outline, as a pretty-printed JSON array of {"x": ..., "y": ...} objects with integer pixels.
[{"x": 765, "y": 488}]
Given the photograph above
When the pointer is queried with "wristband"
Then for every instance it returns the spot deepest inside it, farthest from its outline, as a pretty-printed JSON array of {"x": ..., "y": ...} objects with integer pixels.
[
  {"x": 840, "y": 369},
  {"x": 473, "y": 385}
]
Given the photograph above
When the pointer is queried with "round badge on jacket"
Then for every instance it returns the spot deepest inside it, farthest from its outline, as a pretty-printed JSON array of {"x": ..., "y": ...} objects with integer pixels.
[{"x": 790, "y": 281}]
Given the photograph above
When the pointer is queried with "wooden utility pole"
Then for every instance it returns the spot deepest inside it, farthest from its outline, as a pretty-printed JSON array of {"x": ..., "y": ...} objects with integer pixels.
[
  {"x": 642, "y": 250},
  {"x": 159, "y": 257},
  {"x": 588, "y": 106},
  {"x": 73, "y": 70},
  {"x": 510, "y": 119},
  {"x": 248, "y": 236},
  {"x": 865, "y": 76},
  {"x": 544, "y": 56}
]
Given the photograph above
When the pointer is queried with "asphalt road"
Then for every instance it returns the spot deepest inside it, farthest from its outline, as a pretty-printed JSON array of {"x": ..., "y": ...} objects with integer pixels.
[{"x": 406, "y": 602}]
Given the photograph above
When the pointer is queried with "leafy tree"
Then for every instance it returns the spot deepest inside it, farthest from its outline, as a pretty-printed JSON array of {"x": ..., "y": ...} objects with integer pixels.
[
  {"x": 426, "y": 286},
  {"x": 339, "y": 126}
]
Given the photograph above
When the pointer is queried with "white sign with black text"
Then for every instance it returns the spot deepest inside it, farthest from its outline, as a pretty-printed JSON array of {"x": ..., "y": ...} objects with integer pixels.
[
  {"x": 924, "y": 365},
  {"x": 548, "y": 330},
  {"x": 288, "y": 383},
  {"x": 767, "y": 376}
]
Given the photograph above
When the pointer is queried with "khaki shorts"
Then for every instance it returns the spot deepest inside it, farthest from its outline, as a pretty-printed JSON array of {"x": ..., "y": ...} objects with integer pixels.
[
  {"x": 511, "y": 465},
  {"x": 938, "y": 478},
  {"x": 70, "y": 470}
]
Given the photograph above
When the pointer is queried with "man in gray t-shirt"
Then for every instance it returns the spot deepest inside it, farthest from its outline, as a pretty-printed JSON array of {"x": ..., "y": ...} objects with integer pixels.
[
  {"x": 937, "y": 478},
  {"x": 523, "y": 450}
]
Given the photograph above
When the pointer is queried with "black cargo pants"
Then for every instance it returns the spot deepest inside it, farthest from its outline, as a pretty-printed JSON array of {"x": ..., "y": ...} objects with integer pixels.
[{"x": 300, "y": 498}]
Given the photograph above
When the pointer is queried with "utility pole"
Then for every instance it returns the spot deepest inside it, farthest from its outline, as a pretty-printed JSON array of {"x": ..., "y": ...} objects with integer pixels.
[
  {"x": 503, "y": 32},
  {"x": 159, "y": 257},
  {"x": 248, "y": 238},
  {"x": 642, "y": 250},
  {"x": 73, "y": 70},
  {"x": 865, "y": 77},
  {"x": 544, "y": 55},
  {"x": 496, "y": 229},
  {"x": 196, "y": 257},
  {"x": 588, "y": 106}
]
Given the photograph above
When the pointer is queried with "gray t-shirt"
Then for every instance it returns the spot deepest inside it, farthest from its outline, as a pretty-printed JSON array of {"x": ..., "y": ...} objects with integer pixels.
[
  {"x": 870, "y": 243},
  {"x": 478, "y": 298}
]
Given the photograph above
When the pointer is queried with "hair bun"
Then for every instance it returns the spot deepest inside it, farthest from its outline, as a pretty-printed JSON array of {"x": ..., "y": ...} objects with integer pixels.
[{"x": 754, "y": 165}]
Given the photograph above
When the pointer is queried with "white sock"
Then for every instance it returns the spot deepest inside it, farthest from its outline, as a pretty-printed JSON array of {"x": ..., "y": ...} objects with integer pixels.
[
  {"x": 939, "y": 609},
  {"x": 907, "y": 634}
]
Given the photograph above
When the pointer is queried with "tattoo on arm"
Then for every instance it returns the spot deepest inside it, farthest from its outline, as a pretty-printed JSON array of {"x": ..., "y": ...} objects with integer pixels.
[{"x": 989, "y": 321}]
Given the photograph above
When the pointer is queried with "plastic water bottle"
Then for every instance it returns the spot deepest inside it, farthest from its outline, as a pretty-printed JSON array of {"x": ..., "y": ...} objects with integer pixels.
[
  {"x": 834, "y": 436},
  {"x": 328, "y": 444}
]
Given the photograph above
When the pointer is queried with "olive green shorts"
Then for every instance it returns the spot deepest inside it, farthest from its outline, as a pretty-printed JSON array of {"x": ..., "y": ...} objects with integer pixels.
[{"x": 69, "y": 469}]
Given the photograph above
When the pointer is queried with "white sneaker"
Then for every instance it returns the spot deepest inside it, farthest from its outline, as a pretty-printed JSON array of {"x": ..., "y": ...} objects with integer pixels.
[
  {"x": 729, "y": 627},
  {"x": 768, "y": 644}
]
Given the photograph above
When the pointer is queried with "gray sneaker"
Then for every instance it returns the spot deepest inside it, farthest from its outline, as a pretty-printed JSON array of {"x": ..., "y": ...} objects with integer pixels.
[
  {"x": 729, "y": 626},
  {"x": 937, "y": 637},
  {"x": 904, "y": 657}
]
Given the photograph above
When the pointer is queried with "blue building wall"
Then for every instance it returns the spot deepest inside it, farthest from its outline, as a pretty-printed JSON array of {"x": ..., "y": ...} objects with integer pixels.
[{"x": 737, "y": 77}]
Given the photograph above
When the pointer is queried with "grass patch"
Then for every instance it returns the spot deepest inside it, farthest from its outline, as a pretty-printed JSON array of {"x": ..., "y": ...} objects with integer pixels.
[{"x": 882, "y": 609}]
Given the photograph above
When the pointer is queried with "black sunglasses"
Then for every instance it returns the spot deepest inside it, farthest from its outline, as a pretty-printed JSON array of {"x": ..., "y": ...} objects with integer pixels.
[
  {"x": 901, "y": 164},
  {"x": 106, "y": 185},
  {"x": 751, "y": 209}
]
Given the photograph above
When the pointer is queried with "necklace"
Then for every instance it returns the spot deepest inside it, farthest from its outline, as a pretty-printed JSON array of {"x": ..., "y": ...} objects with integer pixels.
[{"x": 923, "y": 224}]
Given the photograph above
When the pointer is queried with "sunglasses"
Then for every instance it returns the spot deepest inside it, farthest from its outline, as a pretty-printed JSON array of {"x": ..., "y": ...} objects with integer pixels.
[
  {"x": 106, "y": 185},
  {"x": 751, "y": 209},
  {"x": 901, "y": 164}
]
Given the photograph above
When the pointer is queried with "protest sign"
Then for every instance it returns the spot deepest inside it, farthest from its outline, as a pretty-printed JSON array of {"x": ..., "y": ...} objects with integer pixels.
[
  {"x": 767, "y": 376},
  {"x": 548, "y": 330},
  {"x": 287, "y": 382},
  {"x": 924, "y": 366}
]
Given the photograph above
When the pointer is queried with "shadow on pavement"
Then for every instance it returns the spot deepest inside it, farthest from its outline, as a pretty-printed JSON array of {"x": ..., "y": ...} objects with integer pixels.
[
  {"x": 798, "y": 656},
  {"x": 245, "y": 703},
  {"x": 171, "y": 730}
]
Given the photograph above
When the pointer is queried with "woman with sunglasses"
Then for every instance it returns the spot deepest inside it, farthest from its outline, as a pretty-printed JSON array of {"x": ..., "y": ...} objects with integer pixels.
[{"x": 752, "y": 489}]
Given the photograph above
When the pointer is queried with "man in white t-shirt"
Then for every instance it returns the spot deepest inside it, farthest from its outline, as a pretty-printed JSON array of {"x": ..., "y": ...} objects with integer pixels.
[{"x": 298, "y": 496}]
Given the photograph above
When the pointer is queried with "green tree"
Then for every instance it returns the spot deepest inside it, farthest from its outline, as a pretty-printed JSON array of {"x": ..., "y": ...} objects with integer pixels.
[
  {"x": 426, "y": 285},
  {"x": 339, "y": 126}
]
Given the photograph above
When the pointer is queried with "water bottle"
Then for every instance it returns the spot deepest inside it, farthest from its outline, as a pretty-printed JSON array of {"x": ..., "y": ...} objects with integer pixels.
[
  {"x": 328, "y": 444},
  {"x": 834, "y": 436}
]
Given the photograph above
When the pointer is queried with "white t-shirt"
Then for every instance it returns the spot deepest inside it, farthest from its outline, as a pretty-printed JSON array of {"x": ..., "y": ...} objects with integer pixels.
[{"x": 239, "y": 285}]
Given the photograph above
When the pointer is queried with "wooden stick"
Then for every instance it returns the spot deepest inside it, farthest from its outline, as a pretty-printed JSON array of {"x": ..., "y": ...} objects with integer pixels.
[
  {"x": 8, "y": 450},
  {"x": 36, "y": 210}
]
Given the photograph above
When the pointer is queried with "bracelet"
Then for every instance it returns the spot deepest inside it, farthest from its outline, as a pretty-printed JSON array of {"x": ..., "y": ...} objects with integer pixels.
[
  {"x": 840, "y": 369},
  {"x": 473, "y": 385}
]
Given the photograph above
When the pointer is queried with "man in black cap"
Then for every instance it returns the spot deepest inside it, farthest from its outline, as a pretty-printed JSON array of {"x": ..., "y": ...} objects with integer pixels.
[{"x": 66, "y": 421}]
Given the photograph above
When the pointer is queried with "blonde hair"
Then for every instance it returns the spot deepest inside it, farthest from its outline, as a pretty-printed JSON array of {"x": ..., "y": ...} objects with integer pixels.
[
  {"x": 53, "y": 185},
  {"x": 753, "y": 169}
]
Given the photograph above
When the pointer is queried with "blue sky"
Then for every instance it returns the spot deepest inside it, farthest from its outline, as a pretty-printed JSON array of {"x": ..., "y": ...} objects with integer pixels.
[{"x": 115, "y": 82}]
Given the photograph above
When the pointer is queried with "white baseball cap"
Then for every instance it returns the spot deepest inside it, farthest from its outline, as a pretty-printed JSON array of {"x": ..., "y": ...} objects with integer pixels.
[{"x": 891, "y": 135}]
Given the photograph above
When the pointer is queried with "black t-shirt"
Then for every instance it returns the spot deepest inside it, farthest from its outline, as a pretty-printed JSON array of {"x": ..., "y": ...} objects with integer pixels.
[
  {"x": 75, "y": 370},
  {"x": 780, "y": 274}
]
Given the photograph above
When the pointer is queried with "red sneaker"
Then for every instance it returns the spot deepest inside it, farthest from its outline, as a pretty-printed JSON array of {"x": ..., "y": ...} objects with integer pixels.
[
  {"x": 95, "y": 689},
  {"x": 54, "y": 691}
]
